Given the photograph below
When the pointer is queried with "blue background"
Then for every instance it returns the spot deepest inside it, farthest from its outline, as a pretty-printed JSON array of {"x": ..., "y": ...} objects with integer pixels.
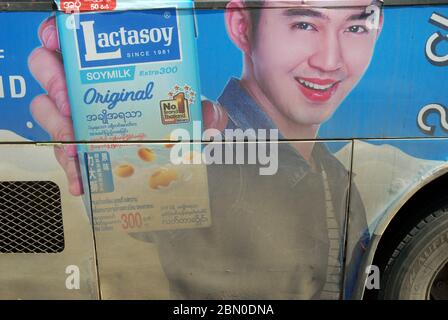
[
  {"x": 398, "y": 83},
  {"x": 18, "y": 37}
]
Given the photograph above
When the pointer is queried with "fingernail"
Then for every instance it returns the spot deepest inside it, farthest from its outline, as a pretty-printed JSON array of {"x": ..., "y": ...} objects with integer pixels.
[
  {"x": 76, "y": 188},
  {"x": 48, "y": 35}
]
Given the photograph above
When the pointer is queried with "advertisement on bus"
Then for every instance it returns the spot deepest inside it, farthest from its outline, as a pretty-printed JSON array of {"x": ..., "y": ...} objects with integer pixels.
[{"x": 246, "y": 150}]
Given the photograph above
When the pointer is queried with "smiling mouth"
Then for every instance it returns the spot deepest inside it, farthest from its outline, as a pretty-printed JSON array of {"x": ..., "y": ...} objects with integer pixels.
[
  {"x": 324, "y": 85},
  {"x": 316, "y": 89}
]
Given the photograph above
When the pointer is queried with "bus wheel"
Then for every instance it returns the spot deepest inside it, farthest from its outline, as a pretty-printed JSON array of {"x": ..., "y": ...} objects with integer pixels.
[{"x": 418, "y": 266}]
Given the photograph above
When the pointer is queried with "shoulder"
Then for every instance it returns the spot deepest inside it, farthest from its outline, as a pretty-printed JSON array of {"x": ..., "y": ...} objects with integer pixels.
[{"x": 336, "y": 165}]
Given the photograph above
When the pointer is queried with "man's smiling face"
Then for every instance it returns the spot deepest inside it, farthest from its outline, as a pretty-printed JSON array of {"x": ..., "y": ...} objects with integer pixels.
[{"x": 305, "y": 59}]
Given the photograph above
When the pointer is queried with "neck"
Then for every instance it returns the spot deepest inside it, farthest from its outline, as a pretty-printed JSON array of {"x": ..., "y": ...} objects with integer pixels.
[{"x": 288, "y": 128}]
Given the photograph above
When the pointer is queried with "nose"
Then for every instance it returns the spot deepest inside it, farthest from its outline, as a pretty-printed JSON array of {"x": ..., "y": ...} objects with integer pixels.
[{"x": 328, "y": 57}]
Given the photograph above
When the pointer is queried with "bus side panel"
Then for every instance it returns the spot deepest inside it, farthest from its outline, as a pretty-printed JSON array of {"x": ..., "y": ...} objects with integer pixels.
[
  {"x": 400, "y": 94},
  {"x": 385, "y": 177},
  {"x": 264, "y": 241},
  {"x": 46, "y": 238},
  {"x": 401, "y": 91}
]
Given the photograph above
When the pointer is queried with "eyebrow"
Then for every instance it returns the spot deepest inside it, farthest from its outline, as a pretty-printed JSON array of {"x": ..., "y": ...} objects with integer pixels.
[
  {"x": 360, "y": 16},
  {"x": 303, "y": 12},
  {"x": 293, "y": 12}
]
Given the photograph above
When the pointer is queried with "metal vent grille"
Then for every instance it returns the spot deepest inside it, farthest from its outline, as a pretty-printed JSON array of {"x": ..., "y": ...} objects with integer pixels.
[{"x": 30, "y": 217}]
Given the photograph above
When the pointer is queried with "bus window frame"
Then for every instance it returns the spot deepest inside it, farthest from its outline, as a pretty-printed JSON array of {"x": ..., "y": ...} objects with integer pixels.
[{"x": 49, "y": 5}]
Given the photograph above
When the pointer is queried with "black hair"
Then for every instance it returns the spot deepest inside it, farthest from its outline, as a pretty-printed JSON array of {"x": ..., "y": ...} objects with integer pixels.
[{"x": 254, "y": 7}]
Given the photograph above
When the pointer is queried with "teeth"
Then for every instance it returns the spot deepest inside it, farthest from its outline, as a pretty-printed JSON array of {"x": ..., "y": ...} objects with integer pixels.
[{"x": 315, "y": 86}]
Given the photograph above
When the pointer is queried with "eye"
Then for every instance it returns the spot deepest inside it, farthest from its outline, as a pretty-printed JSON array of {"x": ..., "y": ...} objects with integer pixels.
[
  {"x": 305, "y": 26},
  {"x": 356, "y": 29}
]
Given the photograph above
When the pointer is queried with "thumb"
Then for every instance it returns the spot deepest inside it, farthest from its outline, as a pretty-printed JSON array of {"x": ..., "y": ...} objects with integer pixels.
[
  {"x": 214, "y": 116},
  {"x": 71, "y": 169}
]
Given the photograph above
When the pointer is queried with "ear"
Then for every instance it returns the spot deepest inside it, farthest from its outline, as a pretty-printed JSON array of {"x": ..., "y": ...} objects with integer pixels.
[
  {"x": 238, "y": 24},
  {"x": 380, "y": 26}
]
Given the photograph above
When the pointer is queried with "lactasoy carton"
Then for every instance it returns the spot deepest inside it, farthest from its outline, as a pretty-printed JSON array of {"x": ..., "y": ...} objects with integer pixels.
[{"x": 132, "y": 75}]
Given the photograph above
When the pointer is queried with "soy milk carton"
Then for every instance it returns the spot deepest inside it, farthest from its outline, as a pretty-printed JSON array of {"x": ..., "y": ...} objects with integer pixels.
[{"x": 132, "y": 75}]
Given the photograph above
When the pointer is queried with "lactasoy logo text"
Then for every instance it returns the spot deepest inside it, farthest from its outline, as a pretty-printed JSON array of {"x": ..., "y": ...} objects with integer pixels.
[{"x": 132, "y": 37}]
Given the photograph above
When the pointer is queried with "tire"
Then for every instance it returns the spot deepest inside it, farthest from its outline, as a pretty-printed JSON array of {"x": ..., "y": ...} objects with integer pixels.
[{"x": 417, "y": 269}]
